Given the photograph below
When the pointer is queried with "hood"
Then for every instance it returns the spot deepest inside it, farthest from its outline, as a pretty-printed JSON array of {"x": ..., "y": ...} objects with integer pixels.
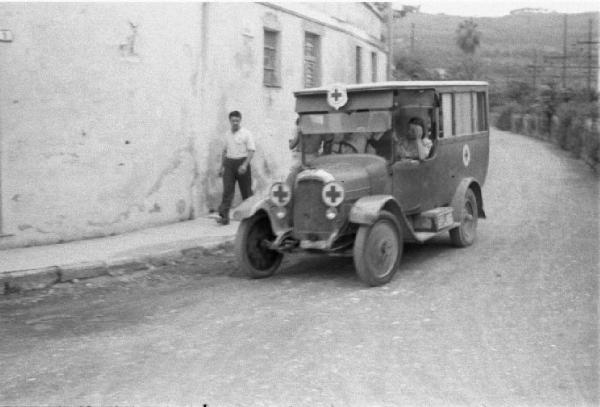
[{"x": 361, "y": 174}]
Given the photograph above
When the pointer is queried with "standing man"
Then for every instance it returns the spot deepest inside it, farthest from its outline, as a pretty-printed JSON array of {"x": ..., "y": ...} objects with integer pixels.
[{"x": 235, "y": 164}]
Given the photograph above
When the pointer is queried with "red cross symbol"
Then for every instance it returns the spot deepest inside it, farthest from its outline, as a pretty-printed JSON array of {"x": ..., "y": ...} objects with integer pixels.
[
  {"x": 280, "y": 194},
  {"x": 336, "y": 94},
  {"x": 333, "y": 194}
]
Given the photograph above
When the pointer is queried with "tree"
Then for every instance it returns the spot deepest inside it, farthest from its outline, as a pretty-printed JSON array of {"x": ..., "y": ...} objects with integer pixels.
[{"x": 468, "y": 37}]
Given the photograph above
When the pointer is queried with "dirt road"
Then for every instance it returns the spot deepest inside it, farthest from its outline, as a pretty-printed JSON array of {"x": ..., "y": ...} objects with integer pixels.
[{"x": 512, "y": 320}]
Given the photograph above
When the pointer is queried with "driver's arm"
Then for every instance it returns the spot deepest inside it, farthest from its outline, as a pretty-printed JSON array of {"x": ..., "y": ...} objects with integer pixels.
[{"x": 327, "y": 143}]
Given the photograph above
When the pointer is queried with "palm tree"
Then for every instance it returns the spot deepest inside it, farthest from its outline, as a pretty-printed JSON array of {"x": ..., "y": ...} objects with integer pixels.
[{"x": 467, "y": 36}]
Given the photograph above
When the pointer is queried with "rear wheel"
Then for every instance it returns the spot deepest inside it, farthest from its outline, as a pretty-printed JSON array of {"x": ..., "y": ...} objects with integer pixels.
[
  {"x": 378, "y": 249},
  {"x": 251, "y": 247},
  {"x": 464, "y": 235}
]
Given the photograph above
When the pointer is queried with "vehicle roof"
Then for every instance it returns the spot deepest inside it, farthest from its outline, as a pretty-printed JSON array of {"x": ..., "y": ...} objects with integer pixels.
[{"x": 391, "y": 85}]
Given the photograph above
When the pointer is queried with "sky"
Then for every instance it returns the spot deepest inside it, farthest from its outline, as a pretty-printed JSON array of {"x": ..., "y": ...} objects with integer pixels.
[{"x": 496, "y": 8}]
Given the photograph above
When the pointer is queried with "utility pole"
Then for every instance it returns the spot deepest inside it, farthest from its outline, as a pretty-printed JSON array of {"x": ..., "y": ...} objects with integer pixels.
[
  {"x": 589, "y": 66},
  {"x": 412, "y": 38},
  {"x": 534, "y": 70},
  {"x": 589, "y": 43},
  {"x": 563, "y": 57},
  {"x": 564, "y": 70}
]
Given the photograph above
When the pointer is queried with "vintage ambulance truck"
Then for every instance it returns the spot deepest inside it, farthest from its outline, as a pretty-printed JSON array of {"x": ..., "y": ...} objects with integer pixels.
[{"x": 382, "y": 164}]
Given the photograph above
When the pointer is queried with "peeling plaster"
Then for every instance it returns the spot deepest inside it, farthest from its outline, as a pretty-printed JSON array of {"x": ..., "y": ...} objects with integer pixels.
[
  {"x": 155, "y": 208},
  {"x": 172, "y": 166},
  {"x": 29, "y": 227},
  {"x": 180, "y": 206},
  {"x": 244, "y": 59},
  {"x": 128, "y": 47}
]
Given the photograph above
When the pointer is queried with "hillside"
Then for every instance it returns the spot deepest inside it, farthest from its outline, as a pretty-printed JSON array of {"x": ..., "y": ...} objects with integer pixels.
[{"x": 508, "y": 43}]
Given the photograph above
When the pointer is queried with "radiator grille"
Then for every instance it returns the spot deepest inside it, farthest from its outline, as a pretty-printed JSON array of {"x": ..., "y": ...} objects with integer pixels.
[{"x": 309, "y": 211}]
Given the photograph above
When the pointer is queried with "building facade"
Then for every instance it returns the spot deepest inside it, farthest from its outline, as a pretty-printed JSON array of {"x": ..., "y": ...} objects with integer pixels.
[{"x": 112, "y": 114}]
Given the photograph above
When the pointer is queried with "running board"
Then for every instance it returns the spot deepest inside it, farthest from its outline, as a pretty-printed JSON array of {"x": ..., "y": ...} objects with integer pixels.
[{"x": 424, "y": 236}]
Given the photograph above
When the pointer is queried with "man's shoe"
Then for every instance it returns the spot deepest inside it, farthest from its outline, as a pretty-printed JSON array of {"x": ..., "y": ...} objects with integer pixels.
[{"x": 223, "y": 221}]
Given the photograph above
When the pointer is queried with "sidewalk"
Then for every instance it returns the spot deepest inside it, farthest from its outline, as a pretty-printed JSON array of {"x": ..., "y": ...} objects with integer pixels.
[{"x": 40, "y": 266}]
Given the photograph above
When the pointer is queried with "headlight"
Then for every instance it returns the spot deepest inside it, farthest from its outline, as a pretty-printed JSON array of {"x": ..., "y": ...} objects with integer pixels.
[
  {"x": 280, "y": 212},
  {"x": 333, "y": 193},
  {"x": 331, "y": 213},
  {"x": 280, "y": 194}
]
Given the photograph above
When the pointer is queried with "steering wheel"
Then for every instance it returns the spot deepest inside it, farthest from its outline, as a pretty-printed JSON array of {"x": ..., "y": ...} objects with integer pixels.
[{"x": 345, "y": 143}]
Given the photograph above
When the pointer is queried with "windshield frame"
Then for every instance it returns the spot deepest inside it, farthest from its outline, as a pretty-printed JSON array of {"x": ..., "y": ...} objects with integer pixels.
[{"x": 328, "y": 138}]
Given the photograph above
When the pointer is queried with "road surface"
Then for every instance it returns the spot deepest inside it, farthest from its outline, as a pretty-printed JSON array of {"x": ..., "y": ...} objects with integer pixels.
[{"x": 512, "y": 320}]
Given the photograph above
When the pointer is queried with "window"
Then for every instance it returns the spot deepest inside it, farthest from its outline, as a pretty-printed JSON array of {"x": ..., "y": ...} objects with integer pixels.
[
  {"x": 312, "y": 60},
  {"x": 481, "y": 124},
  {"x": 271, "y": 58},
  {"x": 447, "y": 114},
  {"x": 374, "y": 66},
  {"x": 358, "y": 64},
  {"x": 463, "y": 113}
]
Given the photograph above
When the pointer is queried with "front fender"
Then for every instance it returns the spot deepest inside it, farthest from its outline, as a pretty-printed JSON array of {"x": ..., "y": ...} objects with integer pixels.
[
  {"x": 366, "y": 210},
  {"x": 250, "y": 206},
  {"x": 255, "y": 204},
  {"x": 458, "y": 201}
]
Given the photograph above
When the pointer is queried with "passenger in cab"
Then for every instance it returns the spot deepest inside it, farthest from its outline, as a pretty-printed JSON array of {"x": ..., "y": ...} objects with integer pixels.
[{"x": 417, "y": 144}]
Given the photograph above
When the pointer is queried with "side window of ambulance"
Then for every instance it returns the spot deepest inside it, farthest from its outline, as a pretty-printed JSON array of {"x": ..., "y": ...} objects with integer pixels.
[
  {"x": 463, "y": 116},
  {"x": 447, "y": 114},
  {"x": 481, "y": 124}
]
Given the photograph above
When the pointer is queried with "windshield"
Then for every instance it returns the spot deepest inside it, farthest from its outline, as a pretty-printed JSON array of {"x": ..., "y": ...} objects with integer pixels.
[
  {"x": 342, "y": 132},
  {"x": 353, "y": 122}
]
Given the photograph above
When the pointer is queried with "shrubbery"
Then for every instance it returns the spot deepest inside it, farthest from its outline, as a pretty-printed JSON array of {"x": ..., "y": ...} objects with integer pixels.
[
  {"x": 578, "y": 129},
  {"x": 504, "y": 121},
  {"x": 569, "y": 118}
]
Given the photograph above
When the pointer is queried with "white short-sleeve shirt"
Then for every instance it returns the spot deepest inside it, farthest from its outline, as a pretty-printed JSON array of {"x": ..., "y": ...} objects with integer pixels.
[{"x": 239, "y": 143}]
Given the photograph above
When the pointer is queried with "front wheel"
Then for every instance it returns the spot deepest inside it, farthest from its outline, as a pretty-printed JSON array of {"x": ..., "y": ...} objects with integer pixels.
[
  {"x": 464, "y": 235},
  {"x": 378, "y": 249},
  {"x": 251, "y": 247}
]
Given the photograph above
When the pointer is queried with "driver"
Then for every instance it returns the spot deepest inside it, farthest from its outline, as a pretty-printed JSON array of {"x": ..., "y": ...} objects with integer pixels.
[
  {"x": 355, "y": 142},
  {"x": 381, "y": 138}
]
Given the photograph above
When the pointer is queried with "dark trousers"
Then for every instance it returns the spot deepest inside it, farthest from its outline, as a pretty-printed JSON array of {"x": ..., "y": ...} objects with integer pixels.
[{"x": 230, "y": 176}]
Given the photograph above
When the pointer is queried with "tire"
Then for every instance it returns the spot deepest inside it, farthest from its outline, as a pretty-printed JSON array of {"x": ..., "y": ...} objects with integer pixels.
[
  {"x": 378, "y": 249},
  {"x": 465, "y": 234},
  {"x": 253, "y": 257}
]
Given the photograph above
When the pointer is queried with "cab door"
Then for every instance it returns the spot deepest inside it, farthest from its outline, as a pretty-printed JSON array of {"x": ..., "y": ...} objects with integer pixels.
[{"x": 413, "y": 180}]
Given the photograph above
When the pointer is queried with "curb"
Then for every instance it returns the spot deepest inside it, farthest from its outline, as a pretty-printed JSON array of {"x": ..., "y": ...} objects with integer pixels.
[{"x": 39, "y": 278}]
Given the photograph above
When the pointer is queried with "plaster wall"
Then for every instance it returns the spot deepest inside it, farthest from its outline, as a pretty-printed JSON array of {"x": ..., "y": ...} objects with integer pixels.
[{"x": 95, "y": 118}]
